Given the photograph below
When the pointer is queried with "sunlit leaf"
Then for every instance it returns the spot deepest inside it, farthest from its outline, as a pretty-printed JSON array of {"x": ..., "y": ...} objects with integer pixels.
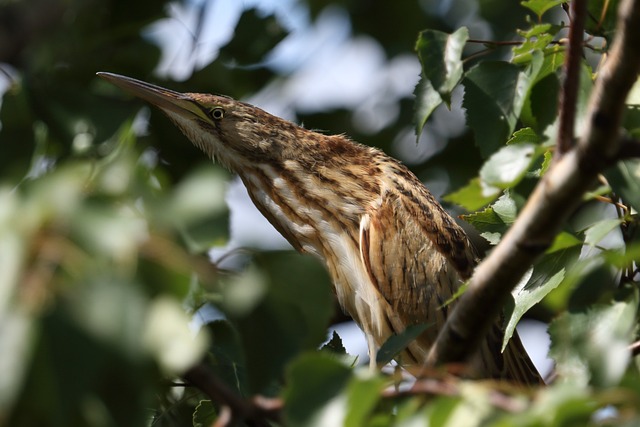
[
  {"x": 470, "y": 196},
  {"x": 441, "y": 58},
  {"x": 506, "y": 167},
  {"x": 539, "y": 7}
]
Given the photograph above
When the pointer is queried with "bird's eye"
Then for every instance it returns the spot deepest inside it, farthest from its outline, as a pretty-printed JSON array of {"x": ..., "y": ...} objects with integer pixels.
[{"x": 216, "y": 113}]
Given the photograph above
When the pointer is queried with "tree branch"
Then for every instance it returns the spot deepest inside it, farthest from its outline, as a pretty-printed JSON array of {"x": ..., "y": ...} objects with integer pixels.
[
  {"x": 258, "y": 411},
  {"x": 555, "y": 197},
  {"x": 569, "y": 94}
]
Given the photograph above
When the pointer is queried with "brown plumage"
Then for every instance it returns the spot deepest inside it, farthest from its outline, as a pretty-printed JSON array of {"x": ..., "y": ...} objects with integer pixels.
[{"x": 394, "y": 255}]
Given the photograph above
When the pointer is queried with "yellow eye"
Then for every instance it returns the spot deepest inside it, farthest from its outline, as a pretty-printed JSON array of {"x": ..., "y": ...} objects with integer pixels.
[{"x": 216, "y": 113}]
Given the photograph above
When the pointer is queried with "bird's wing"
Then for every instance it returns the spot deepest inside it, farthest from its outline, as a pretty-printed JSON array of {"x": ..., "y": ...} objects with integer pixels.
[
  {"x": 417, "y": 257},
  {"x": 414, "y": 272}
]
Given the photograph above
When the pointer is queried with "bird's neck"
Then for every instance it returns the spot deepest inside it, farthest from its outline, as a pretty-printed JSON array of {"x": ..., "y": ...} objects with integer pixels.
[{"x": 304, "y": 204}]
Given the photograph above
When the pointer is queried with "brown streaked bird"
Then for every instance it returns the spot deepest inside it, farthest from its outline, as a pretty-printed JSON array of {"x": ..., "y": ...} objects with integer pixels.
[{"x": 393, "y": 253}]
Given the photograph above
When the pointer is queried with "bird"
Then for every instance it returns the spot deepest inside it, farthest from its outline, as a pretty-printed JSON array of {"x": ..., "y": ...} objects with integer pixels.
[{"x": 394, "y": 255}]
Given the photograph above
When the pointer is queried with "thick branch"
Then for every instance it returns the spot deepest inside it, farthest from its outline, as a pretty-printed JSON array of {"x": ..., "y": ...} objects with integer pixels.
[{"x": 556, "y": 196}]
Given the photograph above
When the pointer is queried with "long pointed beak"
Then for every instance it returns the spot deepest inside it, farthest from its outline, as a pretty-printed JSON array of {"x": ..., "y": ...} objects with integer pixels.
[{"x": 165, "y": 99}]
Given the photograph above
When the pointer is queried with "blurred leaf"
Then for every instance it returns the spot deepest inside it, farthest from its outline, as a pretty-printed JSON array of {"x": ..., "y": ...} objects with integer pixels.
[
  {"x": 63, "y": 350},
  {"x": 601, "y": 17},
  {"x": 243, "y": 292},
  {"x": 168, "y": 337},
  {"x": 563, "y": 240},
  {"x": 396, "y": 343},
  {"x": 623, "y": 258},
  {"x": 495, "y": 93},
  {"x": 225, "y": 355},
  {"x": 598, "y": 231},
  {"x": 592, "y": 346},
  {"x": 441, "y": 59},
  {"x": 313, "y": 396},
  {"x": 17, "y": 333},
  {"x": 291, "y": 317},
  {"x": 256, "y": 34},
  {"x": 363, "y": 394}
]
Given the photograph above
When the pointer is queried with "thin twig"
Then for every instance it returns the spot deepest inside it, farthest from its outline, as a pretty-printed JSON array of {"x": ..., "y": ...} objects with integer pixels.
[
  {"x": 259, "y": 411},
  {"x": 569, "y": 93},
  {"x": 436, "y": 387}
]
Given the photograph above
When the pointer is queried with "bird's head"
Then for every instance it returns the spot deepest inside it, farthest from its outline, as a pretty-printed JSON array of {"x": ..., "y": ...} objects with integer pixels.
[{"x": 229, "y": 131}]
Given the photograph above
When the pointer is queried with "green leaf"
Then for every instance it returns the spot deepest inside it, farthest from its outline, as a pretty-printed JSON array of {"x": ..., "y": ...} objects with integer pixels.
[
  {"x": 225, "y": 356},
  {"x": 601, "y": 17},
  {"x": 495, "y": 93},
  {"x": 363, "y": 395},
  {"x": 256, "y": 34},
  {"x": 524, "y": 135},
  {"x": 623, "y": 258},
  {"x": 592, "y": 346},
  {"x": 335, "y": 345},
  {"x": 624, "y": 179},
  {"x": 205, "y": 414},
  {"x": 539, "y": 7},
  {"x": 470, "y": 196},
  {"x": 441, "y": 58},
  {"x": 539, "y": 281},
  {"x": 198, "y": 209},
  {"x": 486, "y": 221},
  {"x": 427, "y": 100},
  {"x": 599, "y": 230},
  {"x": 537, "y": 39},
  {"x": 313, "y": 395},
  {"x": 563, "y": 240},
  {"x": 493, "y": 221},
  {"x": 167, "y": 336},
  {"x": 290, "y": 316},
  {"x": 395, "y": 344}
]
